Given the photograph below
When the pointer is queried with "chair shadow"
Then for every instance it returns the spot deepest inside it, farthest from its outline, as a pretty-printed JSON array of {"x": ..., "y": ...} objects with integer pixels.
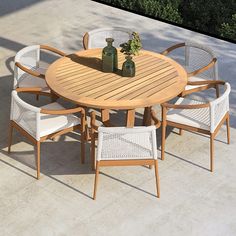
[
  {"x": 190, "y": 162},
  {"x": 208, "y": 137},
  {"x": 49, "y": 173},
  {"x": 9, "y": 61},
  {"x": 130, "y": 185},
  {"x": 70, "y": 187}
]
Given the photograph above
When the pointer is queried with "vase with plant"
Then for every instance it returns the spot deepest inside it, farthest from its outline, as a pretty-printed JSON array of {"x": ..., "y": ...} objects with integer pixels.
[{"x": 130, "y": 48}]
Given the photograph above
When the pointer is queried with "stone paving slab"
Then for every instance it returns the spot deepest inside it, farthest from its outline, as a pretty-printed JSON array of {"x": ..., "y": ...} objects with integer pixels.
[{"x": 193, "y": 200}]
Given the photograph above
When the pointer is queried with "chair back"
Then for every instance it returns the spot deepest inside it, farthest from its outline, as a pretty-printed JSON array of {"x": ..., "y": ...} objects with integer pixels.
[
  {"x": 121, "y": 143},
  {"x": 28, "y": 57},
  {"x": 97, "y": 38},
  {"x": 198, "y": 56},
  {"x": 219, "y": 107},
  {"x": 25, "y": 115}
]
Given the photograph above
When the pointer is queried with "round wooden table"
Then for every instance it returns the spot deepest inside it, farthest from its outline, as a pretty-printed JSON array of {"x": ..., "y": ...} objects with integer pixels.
[{"x": 78, "y": 78}]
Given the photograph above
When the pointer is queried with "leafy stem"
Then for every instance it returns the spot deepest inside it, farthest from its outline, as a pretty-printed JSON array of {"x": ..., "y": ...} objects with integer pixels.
[{"x": 132, "y": 46}]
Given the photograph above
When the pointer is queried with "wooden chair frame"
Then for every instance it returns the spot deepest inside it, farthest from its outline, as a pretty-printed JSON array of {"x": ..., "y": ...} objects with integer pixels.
[
  {"x": 80, "y": 127},
  {"x": 166, "y": 106},
  {"x": 149, "y": 162},
  {"x": 195, "y": 72},
  {"x": 37, "y": 74}
]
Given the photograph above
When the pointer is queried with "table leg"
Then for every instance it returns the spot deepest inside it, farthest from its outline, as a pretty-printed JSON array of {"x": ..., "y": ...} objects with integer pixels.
[
  {"x": 147, "y": 116},
  {"x": 105, "y": 116},
  {"x": 130, "y": 118},
  {"x": 54, "y": 97}
]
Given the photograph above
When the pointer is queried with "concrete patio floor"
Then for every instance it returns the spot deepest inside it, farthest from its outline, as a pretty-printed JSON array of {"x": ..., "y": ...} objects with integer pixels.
[{"x": 193, "y": 200}]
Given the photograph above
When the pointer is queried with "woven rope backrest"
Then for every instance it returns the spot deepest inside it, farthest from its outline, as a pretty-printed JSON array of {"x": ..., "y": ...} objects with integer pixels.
[
  {"x": 197, "y": 56},
  {"x": 120, "y": 143},
  {"x": 219, "y": 107},
  {"x": 25, "y": 115},
  {"x": 97, "y": 38},
  {"x": 28, "y": 57}
]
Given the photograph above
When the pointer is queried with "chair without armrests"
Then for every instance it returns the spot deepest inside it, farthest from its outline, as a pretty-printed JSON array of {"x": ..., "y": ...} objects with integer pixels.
[
  {"x": 38, "y": 124},
  {"x": 121, "y": 146}
]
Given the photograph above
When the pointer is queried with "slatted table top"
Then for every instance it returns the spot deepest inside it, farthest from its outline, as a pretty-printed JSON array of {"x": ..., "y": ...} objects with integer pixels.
[{"x": 78, "y": 78}]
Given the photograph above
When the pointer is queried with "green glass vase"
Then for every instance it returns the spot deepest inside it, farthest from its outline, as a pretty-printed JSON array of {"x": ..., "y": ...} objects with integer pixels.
[
  {"x": 109, "y": 57},
  {"x": 128, "y": 67}
]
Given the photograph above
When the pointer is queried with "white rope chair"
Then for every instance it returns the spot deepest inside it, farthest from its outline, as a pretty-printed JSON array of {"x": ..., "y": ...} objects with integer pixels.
[
  {"x": 206, "y": 118},
  {"x": 97, "y": 38},
  {"x": 121, "y": 146},
  {"x": 27, "y": 70},
  {"x": 46, "y": 122},
  {"x": 200, "y": 63}
]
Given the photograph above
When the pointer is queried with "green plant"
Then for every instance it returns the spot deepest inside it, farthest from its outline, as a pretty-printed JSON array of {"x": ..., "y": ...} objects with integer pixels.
[
  {"x": 228, "y": 29},
  {"x": 211, "y": 16},
  {"x": 132, "y": 46}
]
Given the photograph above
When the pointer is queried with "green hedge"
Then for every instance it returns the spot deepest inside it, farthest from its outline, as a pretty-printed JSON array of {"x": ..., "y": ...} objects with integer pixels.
[{"x": 217, "y": 17}]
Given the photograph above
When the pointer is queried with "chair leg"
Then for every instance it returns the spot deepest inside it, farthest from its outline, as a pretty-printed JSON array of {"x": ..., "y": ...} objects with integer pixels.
[
  {"x": 180, "y": 131},
  {"x": 96, "y": 180},
  {"x": 157, "y": 178},
  {"x": 38, "y": 159},
  {"x": 163, "y": 140},
  {"x": 82, "y": 142},
  {"x": 228, "y": 129},
  {"x": 217, "y": 91},
  {"x": 212, "y": 152},
  {"x": 92, "y": 152},
  {"x": 10, "y": 137},
  {"x": 37, "y": 97},
  {"x": 87, "y": 133}
]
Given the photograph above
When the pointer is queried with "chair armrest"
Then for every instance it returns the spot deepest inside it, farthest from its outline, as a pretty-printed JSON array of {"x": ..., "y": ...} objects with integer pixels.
[
  {"x": 198, "y": 71},
  {"x": 51, "y": 49},
  {"x": 168, "y": 50},
  {"x": 155, "y": 119},
  {"x": 85, "y": 41},
  {"x": 33, "y": 90},
  {"x": 176, "y": 106},
  {"x": 206, "y": 82},
  {"x": 63, "y": 111},
  {"x": 203, "y": 85},
  {"x": 29, "y": 71}
]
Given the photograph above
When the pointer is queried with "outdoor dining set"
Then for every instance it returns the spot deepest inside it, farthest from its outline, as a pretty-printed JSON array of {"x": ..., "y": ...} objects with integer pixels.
[{"x": 80, "y": 79}]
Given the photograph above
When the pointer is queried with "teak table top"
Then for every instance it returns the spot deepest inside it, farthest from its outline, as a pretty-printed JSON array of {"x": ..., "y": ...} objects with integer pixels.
[{"x": 78, "y": 78}]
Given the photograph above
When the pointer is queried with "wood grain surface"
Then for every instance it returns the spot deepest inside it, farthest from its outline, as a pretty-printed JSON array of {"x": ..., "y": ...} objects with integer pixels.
[{"x": 78, "y": 78}]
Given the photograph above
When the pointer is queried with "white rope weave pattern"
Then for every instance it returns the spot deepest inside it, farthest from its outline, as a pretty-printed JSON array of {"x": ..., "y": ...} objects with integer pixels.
[
  {"x": 97, "y": 38},
  {"x": 28, "y": 57},
  {"x": 127, "y": 143},
  {"x": 199, "y": 58},
  {"x": 219, "y": 107},
  {"x": 25, "y": 115}
]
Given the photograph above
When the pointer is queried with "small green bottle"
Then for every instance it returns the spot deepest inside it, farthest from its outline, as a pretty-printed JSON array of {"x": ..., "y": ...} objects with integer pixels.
[
  {"x": 128, "y": 67},
  {"x": 109, "y": 57}
]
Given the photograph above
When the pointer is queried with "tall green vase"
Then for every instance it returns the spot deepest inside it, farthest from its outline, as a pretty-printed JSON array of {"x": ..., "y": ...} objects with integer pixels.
[
  {"x": 109, "y": 57},
  {"x": 128, "y": 67}
]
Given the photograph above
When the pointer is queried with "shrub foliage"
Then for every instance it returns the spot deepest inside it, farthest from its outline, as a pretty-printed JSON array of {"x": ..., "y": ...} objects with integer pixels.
[{"x": 217, "y": 17}]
